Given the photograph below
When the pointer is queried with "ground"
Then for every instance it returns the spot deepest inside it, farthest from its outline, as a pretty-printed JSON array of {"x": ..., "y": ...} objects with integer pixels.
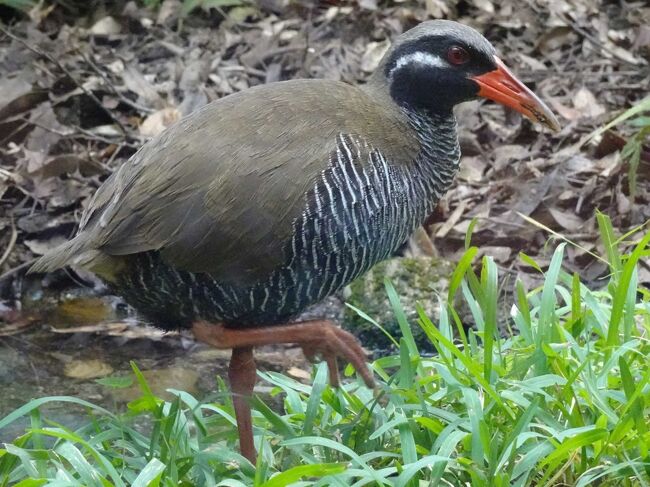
[{"x": 83, "y": 88}]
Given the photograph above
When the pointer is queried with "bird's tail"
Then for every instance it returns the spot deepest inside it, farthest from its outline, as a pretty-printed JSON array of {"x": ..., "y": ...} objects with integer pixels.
[{"x": 64, "y": 254}]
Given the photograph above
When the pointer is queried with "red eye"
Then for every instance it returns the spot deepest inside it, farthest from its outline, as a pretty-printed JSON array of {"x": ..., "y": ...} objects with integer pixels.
[{"x": 457, "y": 55}]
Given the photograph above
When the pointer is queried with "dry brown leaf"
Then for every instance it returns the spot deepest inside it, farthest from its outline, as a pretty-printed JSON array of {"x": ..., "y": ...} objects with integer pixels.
[
  {"x": 106, "y": 26},
  {"x": 373, "y": 54},
  {"x": 437, "y": 9},
  {"x": 566, "y": 112},
  {"x": 566, "y": 219},
  {"x": 472, "y": 169},
  {"x": 534, "y": 63},
  {"x": 586, "y": 103},
  {"x": 159, "y": 121},
  {"x": 299, "y": 373},
  {"x": 82, "y": 310},
  {"x": 452, "y": 220},
  {"x": 138, "y": 84},
  {"x": 67, "y": 164},
  {"x": 553, "y": 38},
  {"x": 87, "y": 369},
  {"x": 499, "y": 253}
]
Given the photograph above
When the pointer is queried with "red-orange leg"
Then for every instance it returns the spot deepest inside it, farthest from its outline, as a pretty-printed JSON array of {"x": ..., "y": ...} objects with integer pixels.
[
  {"x": 320, "y": 337},
  {"x": 242, "y": 374}
]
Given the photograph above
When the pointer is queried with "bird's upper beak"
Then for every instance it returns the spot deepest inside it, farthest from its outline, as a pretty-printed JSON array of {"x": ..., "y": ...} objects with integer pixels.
[{"x": 503, "y": 87}]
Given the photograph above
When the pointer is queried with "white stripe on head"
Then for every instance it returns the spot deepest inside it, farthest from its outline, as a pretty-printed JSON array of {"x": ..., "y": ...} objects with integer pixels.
[{"x": 421, "y": 58}]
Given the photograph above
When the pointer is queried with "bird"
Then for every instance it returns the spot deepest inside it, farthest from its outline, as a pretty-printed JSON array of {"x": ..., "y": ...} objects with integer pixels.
[{"x": 238, "y": 217}]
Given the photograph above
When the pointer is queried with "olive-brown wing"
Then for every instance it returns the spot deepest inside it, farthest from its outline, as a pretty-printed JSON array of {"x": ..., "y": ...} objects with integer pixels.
[{"x": 219, "y": 191}]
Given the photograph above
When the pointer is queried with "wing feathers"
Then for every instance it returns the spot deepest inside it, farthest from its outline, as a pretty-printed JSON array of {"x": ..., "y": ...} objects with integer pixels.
[{"x": 219, "y": 191}]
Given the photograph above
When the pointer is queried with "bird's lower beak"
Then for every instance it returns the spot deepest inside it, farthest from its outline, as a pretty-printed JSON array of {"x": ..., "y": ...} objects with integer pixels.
[{"x": 503, "y": 87}]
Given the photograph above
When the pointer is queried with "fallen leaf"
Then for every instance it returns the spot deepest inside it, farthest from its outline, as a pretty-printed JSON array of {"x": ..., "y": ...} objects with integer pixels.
[
  {"x": 566, "y": 219},
  {"x": 82, "y": 310},
  {"x": 159, "y": 121},
  {"x": 105, "y": 26},
  {"x": 499, "y": 253},
  {"x": 472, "y": 169},
  {"x": 138, "y": 84},
  {"x": 437, "y": 9},
  {"x": 373, "y": 54},
  {"x": 586, "y": 103},
  {"x": 554, "y": 38},
  {"x": 87, "y": 369},
  {"x": 67, "y": 164},
  {"x": 298, "y": 373},
  {"x": 452, "y": 220}
]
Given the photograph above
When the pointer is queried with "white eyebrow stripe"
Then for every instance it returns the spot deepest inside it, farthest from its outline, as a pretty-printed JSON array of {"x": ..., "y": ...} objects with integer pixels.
[{"x": 419, "y": 57}]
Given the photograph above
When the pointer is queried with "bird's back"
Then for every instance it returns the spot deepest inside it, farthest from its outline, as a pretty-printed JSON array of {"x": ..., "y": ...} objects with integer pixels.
[{"x": 260, "y": 203}]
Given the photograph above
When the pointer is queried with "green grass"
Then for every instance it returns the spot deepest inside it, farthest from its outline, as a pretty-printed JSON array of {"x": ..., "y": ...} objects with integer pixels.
[{"x": 563, "y": 400}]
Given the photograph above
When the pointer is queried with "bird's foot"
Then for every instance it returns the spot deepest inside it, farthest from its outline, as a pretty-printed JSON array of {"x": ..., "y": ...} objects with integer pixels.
[
  {"x": 318, "y": 337},
  {"x": 333, "y": 343}
]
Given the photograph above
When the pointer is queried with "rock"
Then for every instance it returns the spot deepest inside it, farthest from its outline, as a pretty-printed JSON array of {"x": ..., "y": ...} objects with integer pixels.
[{"x": 418, "y": 280}]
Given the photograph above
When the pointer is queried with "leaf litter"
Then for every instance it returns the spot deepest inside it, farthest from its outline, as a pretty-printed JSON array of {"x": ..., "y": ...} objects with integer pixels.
[{"x": 81, "y": 91}]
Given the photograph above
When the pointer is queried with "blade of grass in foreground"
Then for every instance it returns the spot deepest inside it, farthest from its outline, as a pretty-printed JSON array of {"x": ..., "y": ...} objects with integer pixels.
[
  {"x": 295, "y": 474},
  {"x": 621, "y": 294},
  {"x": 37, "y": 403},
  {"x": 473, "y": 368}
]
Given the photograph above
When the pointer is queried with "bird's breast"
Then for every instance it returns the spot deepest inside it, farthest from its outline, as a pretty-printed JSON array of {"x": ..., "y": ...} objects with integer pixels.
[{"x": 358, "y": 210}]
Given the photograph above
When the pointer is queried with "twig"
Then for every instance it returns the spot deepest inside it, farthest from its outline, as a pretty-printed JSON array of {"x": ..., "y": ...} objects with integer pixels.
[
  {"x": 590, "y": 37},
  {"x": 12, "y": 242},
  {"x": 13, "y": 132},
  {"x": 17, "y": 269},
  {"x": 110, "y": 85},
  {"x": 57, "y": 63},
  {"x": 114, "y": 155},
  {"x": 36, "y": 123},
  {"x": 87, "y": 134}
]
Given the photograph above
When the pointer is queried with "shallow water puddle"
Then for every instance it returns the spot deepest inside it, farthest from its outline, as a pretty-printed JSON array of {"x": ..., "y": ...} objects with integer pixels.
[{"x": 63, "y": 347}]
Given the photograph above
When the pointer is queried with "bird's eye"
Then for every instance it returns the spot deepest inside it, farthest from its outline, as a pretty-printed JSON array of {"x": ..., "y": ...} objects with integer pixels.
[{"x": 457, "y": 55}]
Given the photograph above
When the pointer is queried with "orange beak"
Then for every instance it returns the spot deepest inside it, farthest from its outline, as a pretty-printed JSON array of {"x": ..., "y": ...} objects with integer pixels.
[{"x": 503, "y": 87}]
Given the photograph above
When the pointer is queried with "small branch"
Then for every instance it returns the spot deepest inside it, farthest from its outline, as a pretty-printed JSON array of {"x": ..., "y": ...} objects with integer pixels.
[
  {"x": 111, "y": 86},
  {"x": 17, "y": 269},
  {"x": 87, "y": 134},
  {"x": 591, "y": 38},
  {"x": 12, "y": 243}
]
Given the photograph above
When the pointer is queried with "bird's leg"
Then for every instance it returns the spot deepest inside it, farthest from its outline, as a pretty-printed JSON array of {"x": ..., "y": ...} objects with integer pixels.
[
  {"x": 315, "y": 337},
  {"x": 242, "y": 373}
]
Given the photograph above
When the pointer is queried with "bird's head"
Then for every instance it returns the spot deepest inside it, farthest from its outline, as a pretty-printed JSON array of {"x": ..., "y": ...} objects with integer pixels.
[{"x": 441, "y": 63}]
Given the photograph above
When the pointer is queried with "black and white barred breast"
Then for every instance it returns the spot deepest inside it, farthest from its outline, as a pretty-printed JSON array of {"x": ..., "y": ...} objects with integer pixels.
[{"x": 358, "y": 212}]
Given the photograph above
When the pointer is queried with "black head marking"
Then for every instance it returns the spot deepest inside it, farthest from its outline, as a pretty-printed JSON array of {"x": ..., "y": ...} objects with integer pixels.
[{"x": 418, "y": 68}]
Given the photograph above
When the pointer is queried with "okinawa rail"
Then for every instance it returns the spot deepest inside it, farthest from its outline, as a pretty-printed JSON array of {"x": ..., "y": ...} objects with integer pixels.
[{"x": 235, "y": 219}]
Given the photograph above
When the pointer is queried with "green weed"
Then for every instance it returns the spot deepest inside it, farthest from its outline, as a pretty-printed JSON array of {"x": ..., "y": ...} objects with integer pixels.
[{"x": 564, "y": 400}]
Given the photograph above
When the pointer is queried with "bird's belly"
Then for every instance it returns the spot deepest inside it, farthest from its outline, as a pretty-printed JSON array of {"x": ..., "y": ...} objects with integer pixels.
[
  {"x": 323, "y": 263},
  {"x": 354, "y": 217}
]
